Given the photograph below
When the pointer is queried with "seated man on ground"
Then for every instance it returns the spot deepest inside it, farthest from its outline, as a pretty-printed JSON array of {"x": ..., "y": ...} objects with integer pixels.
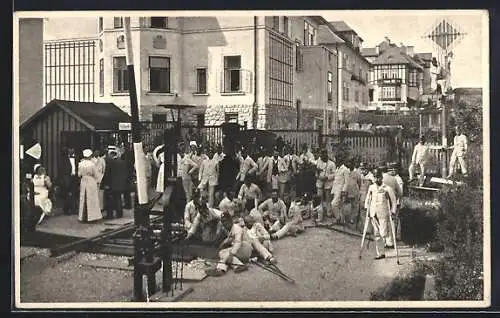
[
  {"x": 294, "y": 224},
  {"x": 257, "y": 232},
  {"x": 191, "y": 210},
  {"x": 254, "y": 212},
  {"x": 206, "y": 225},
  {"x": 273, "y": 212},
  {"x": 249, "y": 191},
  {"x": 239, "y": 252},
  {"x": 228, "y": 203}
]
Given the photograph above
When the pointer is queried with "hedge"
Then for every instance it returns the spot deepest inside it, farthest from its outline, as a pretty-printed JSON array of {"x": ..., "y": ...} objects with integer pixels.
[{"x": 404, "y": 287}]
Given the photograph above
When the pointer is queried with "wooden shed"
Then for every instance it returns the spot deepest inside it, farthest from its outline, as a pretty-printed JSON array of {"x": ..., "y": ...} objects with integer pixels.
[{"x": 78, "y": 125}]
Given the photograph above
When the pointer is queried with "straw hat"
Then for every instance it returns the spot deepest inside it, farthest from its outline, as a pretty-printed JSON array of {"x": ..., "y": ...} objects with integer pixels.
[
  {"x": 87, "y": 153},
  {"x": 193, "y": 143}
]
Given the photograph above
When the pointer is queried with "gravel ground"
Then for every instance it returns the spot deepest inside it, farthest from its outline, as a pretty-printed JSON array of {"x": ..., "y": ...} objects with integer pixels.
[{"x": 324, "y": 264}]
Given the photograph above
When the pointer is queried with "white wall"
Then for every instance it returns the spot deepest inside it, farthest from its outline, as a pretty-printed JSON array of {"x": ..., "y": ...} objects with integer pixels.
[{"x": 30, "y": 67}]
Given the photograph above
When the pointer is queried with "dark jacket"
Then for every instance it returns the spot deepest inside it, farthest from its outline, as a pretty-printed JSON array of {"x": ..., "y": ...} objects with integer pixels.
[
  {"x": 64, "y": 173},
  {"x": 115, "y": 175}
]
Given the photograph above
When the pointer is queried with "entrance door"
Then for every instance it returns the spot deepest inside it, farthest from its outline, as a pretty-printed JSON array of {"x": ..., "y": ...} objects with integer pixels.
[{"x": 78, "y": 140}]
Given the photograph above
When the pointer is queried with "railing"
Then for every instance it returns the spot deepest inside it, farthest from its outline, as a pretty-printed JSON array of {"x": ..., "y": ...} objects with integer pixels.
[
  {"x": 205, "y": 135},
  {"x": 296, "y": 138}
]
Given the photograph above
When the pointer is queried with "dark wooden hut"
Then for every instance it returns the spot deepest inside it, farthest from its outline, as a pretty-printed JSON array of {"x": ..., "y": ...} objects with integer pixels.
[{"x": 74, "y": 124}]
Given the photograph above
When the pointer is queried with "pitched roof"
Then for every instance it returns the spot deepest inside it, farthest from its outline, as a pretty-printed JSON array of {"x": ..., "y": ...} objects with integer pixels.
[
  {"x": 369, "y": 51},
  {"x": 394, "y": 55},
  {"x": 96, "y": 116},
  {"x": 327, "y": 36},
  {"x": 424, "y": 56},
  {"x": 341, "y": 26}
]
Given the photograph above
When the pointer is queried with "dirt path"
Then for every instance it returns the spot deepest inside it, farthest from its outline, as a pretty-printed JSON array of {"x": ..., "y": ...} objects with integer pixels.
[{"x": 324, "y": 264}]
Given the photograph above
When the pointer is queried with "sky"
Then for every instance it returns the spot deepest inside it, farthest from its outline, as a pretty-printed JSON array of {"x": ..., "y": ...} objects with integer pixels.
[{"x": 407, "y": 27}]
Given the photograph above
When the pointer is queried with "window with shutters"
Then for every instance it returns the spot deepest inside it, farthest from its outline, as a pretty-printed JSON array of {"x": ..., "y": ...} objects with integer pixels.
[
  {"x": 118, "y": 22},
  {"x": 159, "y": 22},
  {"x": 232, "y": 74},
  {"x": 330, "y": 87},
  {"x": 280, "y": 72},
  {"x": 101, "y": 77},
  {"x": 345, "y": 91},
  {"x": 120, "y": 75},
  {"x": 201, "y": 81},
  {"x": 159, "y": 74}
]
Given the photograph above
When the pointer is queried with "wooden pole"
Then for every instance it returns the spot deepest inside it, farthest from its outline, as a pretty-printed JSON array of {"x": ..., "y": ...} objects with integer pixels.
[{"x": 141, "y": 211}]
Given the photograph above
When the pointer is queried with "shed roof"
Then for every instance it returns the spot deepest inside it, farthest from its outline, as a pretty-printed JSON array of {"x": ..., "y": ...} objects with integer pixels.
[{"x": 95, "y": 116}]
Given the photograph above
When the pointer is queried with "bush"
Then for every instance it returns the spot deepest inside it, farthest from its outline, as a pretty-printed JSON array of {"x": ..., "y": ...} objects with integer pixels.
[
  {"x": 460, "y": 233},
  {"x": 407, "y": 287}
]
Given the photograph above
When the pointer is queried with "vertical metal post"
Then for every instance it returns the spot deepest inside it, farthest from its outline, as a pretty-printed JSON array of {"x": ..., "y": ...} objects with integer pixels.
[{"x": 444, "y": 139}]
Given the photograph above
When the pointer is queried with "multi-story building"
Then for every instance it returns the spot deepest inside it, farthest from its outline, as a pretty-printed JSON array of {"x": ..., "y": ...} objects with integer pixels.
[
  {"x": 249, "y": 69},
  {"x": 30, "y": 72},
  {"x": 70, "y": 69},
  {"x": 397, "y": 76},
  {"x": 353, "y": 68}
]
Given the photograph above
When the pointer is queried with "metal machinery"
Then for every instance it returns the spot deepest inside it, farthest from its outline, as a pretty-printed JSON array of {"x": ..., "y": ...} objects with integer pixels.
[{"x": 153, "y": 246}]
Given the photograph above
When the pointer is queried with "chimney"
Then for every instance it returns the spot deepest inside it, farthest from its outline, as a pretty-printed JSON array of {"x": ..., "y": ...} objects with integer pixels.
[
  {"x": 403, "y": 49},
  {"x": 387, "y": 39},
  {"x": 410, "y": 50}
]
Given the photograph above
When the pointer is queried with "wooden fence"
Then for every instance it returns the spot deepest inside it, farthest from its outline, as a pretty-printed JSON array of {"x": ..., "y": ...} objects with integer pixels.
[{"x": 372, "y": 148}]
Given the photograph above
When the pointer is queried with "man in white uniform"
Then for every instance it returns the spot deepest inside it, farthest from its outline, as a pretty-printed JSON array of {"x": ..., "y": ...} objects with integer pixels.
[
  {"x": 459, "y": 151},
  {"x": 420, "y": 157},
  {"x": 380, "y": 201}
]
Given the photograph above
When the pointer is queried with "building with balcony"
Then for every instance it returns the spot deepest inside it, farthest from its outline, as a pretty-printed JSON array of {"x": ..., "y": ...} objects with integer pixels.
[
  {"x": 352, "y": 68},
  {"x": 253, "y": 70},
  {"x": 399, "y": 78}
]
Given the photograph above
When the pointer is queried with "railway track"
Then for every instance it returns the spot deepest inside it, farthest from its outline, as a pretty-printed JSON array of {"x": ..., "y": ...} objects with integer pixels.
[{"x": 92, "y": 242}]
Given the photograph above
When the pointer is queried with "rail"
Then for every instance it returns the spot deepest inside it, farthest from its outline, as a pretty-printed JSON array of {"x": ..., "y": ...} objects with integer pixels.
[{"x": 78, "y": 245}]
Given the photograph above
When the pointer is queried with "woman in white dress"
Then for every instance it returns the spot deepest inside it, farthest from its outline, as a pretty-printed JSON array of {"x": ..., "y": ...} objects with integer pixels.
[
  {"x": 42, "y": 184},
  {"x": 160, "y": 162},
  {"x": 89, "y": 209}
]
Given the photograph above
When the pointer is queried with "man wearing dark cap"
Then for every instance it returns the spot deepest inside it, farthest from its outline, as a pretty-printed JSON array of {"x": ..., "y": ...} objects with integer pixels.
[{"x": 380, "y": 201}]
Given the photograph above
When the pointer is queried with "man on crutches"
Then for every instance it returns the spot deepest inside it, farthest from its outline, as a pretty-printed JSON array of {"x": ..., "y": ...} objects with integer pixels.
[{"x": 381, "y": 205}]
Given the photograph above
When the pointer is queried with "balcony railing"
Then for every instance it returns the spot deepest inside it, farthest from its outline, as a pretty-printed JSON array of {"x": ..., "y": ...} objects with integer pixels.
[{"x": 389, "y": 81}]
